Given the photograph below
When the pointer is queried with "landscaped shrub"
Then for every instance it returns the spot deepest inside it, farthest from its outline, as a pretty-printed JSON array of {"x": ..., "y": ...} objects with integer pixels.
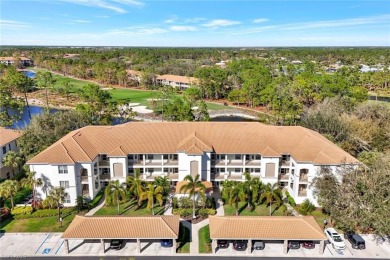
[
  {"x": 19, "y": 197},
  {"x": 45, "y": 213},
  {"x": 184, "y": 202},
  {"x": 4, "y": 213},
  {"x": 93, "y": 203},
  {"x": 184, "y": 213},
  {"x": 290, "y": 199},
  {"x": 206, "y": 212},
  {"x": 306, "y": 207},
  {"x": 27, "y": 210},
  {"x": 175, "y": 203}
]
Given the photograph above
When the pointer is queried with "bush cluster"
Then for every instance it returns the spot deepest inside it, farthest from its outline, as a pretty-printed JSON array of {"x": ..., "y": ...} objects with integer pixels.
[
  {"x": 206, "y": 212},
  {"x": 93, "y": 203},
  {"x": 45, "y": 213},
  {"x": 183, "y": 212},
  {"x": 306, "y": 207},
  {"x": 19, "y": 197},
  {"x": 22, "y": 210},
  {"x": 290, "y": 199}
]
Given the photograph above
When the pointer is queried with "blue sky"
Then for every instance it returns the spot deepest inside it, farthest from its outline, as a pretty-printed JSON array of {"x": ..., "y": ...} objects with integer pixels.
[{"x": 194, "y": 23}]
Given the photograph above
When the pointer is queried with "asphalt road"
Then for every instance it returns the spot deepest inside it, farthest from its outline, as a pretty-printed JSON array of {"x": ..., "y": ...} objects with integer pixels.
[{"x": 173, "y": 257}]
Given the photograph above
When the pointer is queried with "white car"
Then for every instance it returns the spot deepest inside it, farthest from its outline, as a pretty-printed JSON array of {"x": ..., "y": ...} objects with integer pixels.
[{"x": 335, "y": 239}]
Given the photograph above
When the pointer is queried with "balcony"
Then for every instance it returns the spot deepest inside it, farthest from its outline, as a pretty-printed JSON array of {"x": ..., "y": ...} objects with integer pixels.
[
  {"x": 136, "y": 163},
  {"x": 103, "y": 163},
  {"x": 171, "y": 162},
  {"x": 303, "y": 178},
  {"x": 219, "y": 176},
  {"x": 219, "y": 162},
  {"x": 105, "y": 177},
  {"x": 235, "y": 163},
  {"x": 235, "y": 177},
  {"x": 153, "y": 162},
  {"x": 302, "y": 193},
  {"x": 284, "y": 177},
  {"x": 84, "y": 179},
  {"x": 286, "y": 163},
  {"x": 173, "y": 176}
]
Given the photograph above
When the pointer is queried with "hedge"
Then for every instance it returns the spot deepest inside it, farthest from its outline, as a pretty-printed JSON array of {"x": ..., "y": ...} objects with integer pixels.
[
  {"x": 27, "y": 210},
  {"x": 206, "y": 212},
  {"x": 19, "y": 197},
  {"x": 93, "y": 203},
  {"x": 290, "y": 199},
  {"x": 45, "y": 213},
  {"x": 182, "y": 212}
]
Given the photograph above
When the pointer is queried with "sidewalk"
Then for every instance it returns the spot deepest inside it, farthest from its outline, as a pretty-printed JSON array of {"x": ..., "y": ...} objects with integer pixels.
[
  {"x": 95, "y": 209},
  {"x": 194, "y": 245}
]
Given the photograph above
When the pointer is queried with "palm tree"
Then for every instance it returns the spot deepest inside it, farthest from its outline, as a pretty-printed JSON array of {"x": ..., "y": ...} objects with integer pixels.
[
  {"x": 252, "y": 188},
  {"x": 163, "y": 182},
  {"x": 114, "y": 192},
  {"x": 152, "y": 192},
  {"x": 236, "y": 194},
  {"x": 135, "y": 185},
  {"x": 194, "y": 187},
  {"x": 271, "y": 193},
  {"x": 46, "y": 80},
  {"x": 55, "y": 199},
  {"x": 8, "y": 189},
  {"x": 31, "y": 182},
  {"x": 12, "y": 159}
]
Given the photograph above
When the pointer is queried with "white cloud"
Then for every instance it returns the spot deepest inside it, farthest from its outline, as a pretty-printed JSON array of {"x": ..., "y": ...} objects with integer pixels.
[
  {"x": 81, "y": 21},
  {"x": 9, "y": 24},
  {"x": 106, "y": 4},
  {"x": 138, "y": 31},
  {"x": 220, "y": 22},
  {"x": 260, "y": 20},
  {"x": 182, "y": 28},
  {"x": 194, "y": 20}
]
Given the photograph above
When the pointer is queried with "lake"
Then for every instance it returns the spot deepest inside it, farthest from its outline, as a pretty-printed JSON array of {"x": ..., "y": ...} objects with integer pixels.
[
  {"x": 25, "y": 120},
  {"x": 28, "y": 73}
]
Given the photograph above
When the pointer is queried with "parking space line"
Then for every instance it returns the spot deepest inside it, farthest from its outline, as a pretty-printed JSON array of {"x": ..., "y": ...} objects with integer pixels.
[
  {"x": 42, "y": 243},
  {"x": 60, "y": 246}
]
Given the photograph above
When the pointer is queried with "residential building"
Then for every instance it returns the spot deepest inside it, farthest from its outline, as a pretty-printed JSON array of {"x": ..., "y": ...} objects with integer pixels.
[
  {"x": 11, "y": 60},
  {"x": 8, "y": 143},
  {"x": 180, "y": 82},
  {"x": 86, "y": 159}
]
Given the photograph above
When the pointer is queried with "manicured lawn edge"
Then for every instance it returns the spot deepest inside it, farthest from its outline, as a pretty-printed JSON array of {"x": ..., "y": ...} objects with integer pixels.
[
  {"x": 184, "y": 239},
  {"x": 204, "y": 240}
]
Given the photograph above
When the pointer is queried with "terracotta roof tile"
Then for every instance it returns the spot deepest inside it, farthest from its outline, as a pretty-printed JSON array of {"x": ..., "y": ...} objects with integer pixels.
[
  {"x": 222, "y": 137},
  {"x": 8, "y": 135},
  {"x": 267, "y": 228},
  {"x": 153, "y": 227},
  {"x": 118, "y": 152}
]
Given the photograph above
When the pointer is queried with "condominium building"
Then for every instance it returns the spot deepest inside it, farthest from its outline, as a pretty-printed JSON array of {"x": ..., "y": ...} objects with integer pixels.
[
  {"x": 86, "y": 159},
  {"x": 11, "y": 60},
  {"x": 180, "y": 82},
  {"x": 8, "y": 138}
]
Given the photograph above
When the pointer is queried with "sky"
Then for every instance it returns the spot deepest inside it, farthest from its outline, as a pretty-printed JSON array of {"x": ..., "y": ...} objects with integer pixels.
[{"x": 182, "y": 23}]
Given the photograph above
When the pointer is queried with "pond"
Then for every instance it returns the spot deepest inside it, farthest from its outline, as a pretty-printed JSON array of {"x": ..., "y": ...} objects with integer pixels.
[{"x": 25, "y": 120}]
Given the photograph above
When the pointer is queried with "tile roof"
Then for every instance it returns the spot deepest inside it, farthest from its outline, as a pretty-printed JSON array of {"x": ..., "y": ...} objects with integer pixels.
[
  {"x": 265, "y": 228},
  {"x": 118, "y": 152},
  {"x": 121, "y": 227},
  {"x": 8, "y": 135},
  {"x": 176, "y": 78},
  {"x": 304, "y": 145}
]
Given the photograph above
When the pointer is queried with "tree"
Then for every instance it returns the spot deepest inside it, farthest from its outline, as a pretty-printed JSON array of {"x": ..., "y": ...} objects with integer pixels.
[
  {"x": 12, "y": 159},
  {"x": 8, "y": 190},
  {"x": 195, "y": 188},
  {"x": 203, "y": 112},
  {"x": 9, "y": 102},
  {"x": 115, "y": 192},
  {"x": 252, "y": 188},
  {"x": 271, "y": 194},
  {"x": 135, "y": 185},
  {"x": 55, "y": 199},
  {"x": 236, "y": 194},
  {"x": 163, "y": 182},
  {"x": 45, "y": 80},
  {"x": 31, "y": 182},
  {"x": 153, "y": 192},
  {"x": 65, "y": 89}
]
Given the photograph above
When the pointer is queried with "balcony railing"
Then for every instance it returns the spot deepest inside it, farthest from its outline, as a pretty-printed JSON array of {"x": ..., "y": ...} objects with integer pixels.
[
  {"x": 253, "y": 162},
  {"x": 171, "y": 162},
  {"x": 284, "y": 177},
  {"x": 104, "y": 163},
  {"x": 84, "y": 179},
  {"x": 105, "y": 177},
  {"x": 286, "y": 163},
  {"x": 302, "y": 193},
  {"x": 173, "y": 176},
  {"x": 235, "y": 176},
  {"x": 219, "y": 176},
  {"x": 303, "y": 177}
]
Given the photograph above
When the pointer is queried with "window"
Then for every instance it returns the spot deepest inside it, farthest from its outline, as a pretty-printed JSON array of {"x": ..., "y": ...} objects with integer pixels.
[
  {"x": 141, "y": 156},
  {"x": 105, "y": 170},
  {"x": 8, "y": 175},
  {"x": 175, "y": 157},
  {"x": 9, "y": 147},
  {"x": 104, "y": 157},
  {"x": 257, "y": 157},
  {"x": 96, "y": 185},
  {"x": 130, "y": 170},
  {"x": 247, "y": 157},
  {"x": 150, "y": 156},
  {"x": 176, "y": 170},
  {"x": 130, "y": 157},
  {"x": 165, "y": 156},
  {"x": 165, "y": 170},
  {"x": 222, "y": 170},
  {"x": 141, "y": 170},
  {"x": 237, "y": 157},
  {"x": 213, "y": 156},
  {"x": 66, "y": 198},
  {"x": 237, "y": 170},
  {"x": 62, "y": 169},
  {"x": 64, "y": 184},
  {"x": 257, "y": 170},
  {"x": 4, "y": 149}
]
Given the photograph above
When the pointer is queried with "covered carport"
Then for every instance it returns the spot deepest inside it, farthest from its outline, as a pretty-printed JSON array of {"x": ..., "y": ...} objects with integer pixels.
[
  {"x": 118, "y": 227},
  {"x": 265, "y": 229}
]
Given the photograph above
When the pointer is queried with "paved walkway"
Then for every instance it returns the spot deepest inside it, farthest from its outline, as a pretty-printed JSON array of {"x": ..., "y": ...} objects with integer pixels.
[
  {"x": 194, "y": 245},
  {"x": 95, "y": 209},
  {"x": 219, "y": 203}
]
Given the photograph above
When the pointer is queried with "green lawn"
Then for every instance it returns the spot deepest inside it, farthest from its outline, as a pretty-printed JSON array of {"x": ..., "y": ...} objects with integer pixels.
[
  {"x": 259, "y": 210},
  {"x": 213, "y": 106},
  {"x": 184, "y": 240},
  {"x": 318, "y": 215},
  {"x": 204, "y": 240},
  {"x": 133, "y": 95},
  {"x": 46, "y": 224},
  {"x": 130, "y": 208}
]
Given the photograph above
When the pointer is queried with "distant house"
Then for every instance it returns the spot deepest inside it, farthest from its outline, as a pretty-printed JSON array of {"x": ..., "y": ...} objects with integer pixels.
[
  {"x": 11, "y": 60},
  {"x": 366, "y": 68},
  {"x": 296, "y": 62},
  {"x": 71, "y": 55},
  {"x": 134, "y": 75},
  {"x": 8, "y": 143},
  {"x": 180, "y": 82}
]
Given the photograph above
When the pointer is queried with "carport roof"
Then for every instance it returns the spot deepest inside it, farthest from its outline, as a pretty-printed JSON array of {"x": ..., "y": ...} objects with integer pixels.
[
  {"x": 265, "y": 228},
  {"x": 153, "y": 227}
]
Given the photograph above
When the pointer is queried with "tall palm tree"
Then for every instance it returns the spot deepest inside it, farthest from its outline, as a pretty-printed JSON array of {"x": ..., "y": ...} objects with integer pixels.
[
  {"x": 8, "y": 190},
  {"x": 236, "y": 194},
  {"x": 135, "y": 185},
  {"x": 252, "y": 188},
  {"x": 12, "y": 159},
  {"x": 31, "y": 182},
  {"x": 55, "y": 199},
  {"x": 271, "y": 193},
  {"x": 115, "y": 192},
  {"x": 163, "y": 182},
  {"x": 46, "y": 80},
  {"x": 153, "y": 192},
  {"x": 195, "y": 188}
]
